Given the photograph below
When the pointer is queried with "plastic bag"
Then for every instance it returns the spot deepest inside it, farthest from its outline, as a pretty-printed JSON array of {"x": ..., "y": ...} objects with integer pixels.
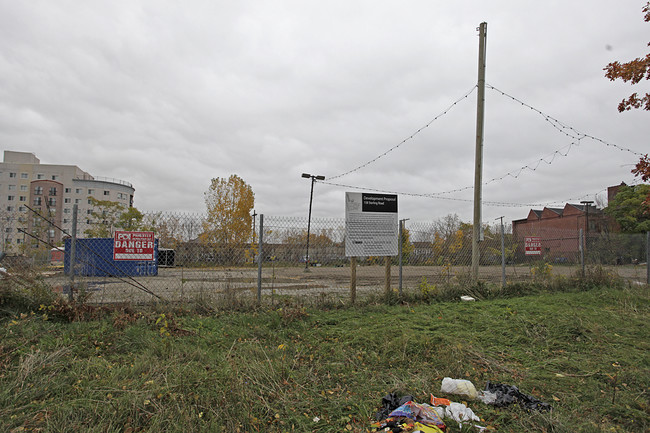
[
  {"x": 458, "y": 386},
  {"x": 505, "y": 395}
]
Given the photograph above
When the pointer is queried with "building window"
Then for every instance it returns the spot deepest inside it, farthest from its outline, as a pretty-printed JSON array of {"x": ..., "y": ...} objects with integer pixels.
[
  {"x": 55, "y": 177},
  {"x": 37, "y": 201},
  {"x": 89, "y": 212},
  {"x": 12, "y": 174},
  {"x": 40, "y": 176},
  {"x": 38, "y": 190},
  {"x": 8, "y": 230},
  {"x": 24, "y": 175},
  {"x": 10, "y": 208},
  {"x": 22, "y": 198},
  {"x": 87, "y": 221},
  {"x": 19, "y": 241},
  {"x": 68, "y": 190},
  {"x": 66, "y": 210},
  {"x": 51, "y": 232},
  {"x": 78, "y": 190},
  {"x": 22, "y": 209},
  {"x": 77, "y": 200},
  {"x": 90, "y": 201},
  {"x": 11, "y": 197},
  {"x": 11, "y": 187},
  {"x": 51, "y": 201},
  {"x": 23, "y": 187},
  {"x": 91, "y": 191},
  {"x": 107, "y": 193},
  {"x": 66, "y": 200},
  {"x": 66, "y": 221},
  {"x": 53, "y": 190}
]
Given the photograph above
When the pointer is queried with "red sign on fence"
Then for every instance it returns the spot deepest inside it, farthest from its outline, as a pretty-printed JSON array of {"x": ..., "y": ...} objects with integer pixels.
[
  {"x": 533, "y": 245},
  {"x": 133, "y": 246}
]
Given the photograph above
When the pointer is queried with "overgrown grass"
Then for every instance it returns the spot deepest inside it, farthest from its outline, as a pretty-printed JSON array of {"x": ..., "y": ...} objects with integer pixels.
[{"x": 584, "y": 349}]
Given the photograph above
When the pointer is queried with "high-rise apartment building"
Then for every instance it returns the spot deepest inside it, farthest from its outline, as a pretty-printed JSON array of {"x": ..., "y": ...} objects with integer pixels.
[{"x": 51, "y": 190}]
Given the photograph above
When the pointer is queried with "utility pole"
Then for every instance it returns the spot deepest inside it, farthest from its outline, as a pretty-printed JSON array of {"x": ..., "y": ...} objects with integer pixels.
[{"x": 478, "y": 162}]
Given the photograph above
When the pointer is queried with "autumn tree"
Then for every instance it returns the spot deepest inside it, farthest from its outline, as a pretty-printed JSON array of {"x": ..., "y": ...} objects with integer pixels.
[
  {"x": 228, "y": 226},
  {"x": 629, "y": 209},
  {"x": 633, "y": 71}
]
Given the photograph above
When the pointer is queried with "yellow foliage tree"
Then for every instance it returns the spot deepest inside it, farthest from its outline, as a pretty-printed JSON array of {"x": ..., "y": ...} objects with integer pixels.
[{"x": 227, "y": 228}]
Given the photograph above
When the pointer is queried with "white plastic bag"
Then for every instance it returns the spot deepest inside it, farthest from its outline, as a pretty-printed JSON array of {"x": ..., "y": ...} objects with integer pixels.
[{"x": 458, "y": 386}]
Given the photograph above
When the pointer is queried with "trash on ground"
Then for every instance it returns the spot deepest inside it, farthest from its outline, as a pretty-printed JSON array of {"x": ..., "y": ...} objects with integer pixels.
[
  {"x": 422, "y": 413},
  {"x": 506, "y": 395},
  {"x": 466, "y": 298},
  {"x": 458, "y": 386},
  {"x": 456, "y": 411},
  {"x": 389, "y": 403}
]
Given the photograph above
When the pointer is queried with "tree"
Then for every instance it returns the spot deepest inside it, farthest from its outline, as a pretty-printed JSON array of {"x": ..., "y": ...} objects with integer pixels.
[
  {"x": 228, "y": 226},
  {"x": 633, "y": 71},
  {"x": 630, "y": 209},
  {"x": 642, "y": 170},
  {"x": 108, "y": 216}
]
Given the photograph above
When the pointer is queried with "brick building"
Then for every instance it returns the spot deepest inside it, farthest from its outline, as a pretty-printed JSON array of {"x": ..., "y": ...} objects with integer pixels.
[{"x": 559, "y": 228}]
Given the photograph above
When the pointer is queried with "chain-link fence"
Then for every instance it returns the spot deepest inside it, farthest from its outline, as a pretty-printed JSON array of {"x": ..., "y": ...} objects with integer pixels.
[{"x": 185, "y": 259}]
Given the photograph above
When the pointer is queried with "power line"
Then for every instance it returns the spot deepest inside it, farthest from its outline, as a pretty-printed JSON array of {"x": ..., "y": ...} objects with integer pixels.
[{"x": 406, "y": 139}]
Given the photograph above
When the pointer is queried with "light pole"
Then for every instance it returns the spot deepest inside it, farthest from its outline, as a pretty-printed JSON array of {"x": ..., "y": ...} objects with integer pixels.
[
  {"x": 311, "y": 196},
  {"x": 586, "y": 204}
]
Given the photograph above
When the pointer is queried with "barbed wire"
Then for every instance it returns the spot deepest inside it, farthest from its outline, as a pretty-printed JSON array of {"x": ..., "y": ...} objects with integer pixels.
[
  {"x": 406, "y": 139},
  {"x": 562, "y": 127}
]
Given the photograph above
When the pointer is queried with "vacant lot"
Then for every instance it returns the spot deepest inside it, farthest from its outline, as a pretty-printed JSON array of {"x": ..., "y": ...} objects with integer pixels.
[{"x": 191, "y": 283}]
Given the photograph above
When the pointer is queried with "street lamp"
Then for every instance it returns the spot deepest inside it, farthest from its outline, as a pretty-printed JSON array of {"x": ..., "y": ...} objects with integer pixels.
[{"x": 311, "y": 196}]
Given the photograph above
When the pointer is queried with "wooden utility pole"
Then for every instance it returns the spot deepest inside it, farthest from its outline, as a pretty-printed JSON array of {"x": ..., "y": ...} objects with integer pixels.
[{"x": 478, "y": 172}]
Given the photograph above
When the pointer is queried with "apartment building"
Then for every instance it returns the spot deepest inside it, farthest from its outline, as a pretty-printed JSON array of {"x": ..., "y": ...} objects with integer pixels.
[{"x": 51, "y": 190}]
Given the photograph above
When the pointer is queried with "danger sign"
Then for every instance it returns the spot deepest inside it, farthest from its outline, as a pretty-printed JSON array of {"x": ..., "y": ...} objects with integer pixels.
[
  {"x": 533, "y": 245},
  {"x": 133, "y": 246}
]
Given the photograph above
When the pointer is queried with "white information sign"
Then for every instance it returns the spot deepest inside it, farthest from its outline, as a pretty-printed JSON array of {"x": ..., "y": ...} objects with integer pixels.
[{"x": 371, "y": 226}]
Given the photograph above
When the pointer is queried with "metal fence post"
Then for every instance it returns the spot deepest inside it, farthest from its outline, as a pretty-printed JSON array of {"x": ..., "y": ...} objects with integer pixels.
[
  {"x": 260, "y": 259},
  {"x": 581, "y": 247},
  {"x": 503, "y": 256},
  {"x": 647, "y": 257},
  {"x": 73, "y": 250},
  {"x": 401, "y": 234}
]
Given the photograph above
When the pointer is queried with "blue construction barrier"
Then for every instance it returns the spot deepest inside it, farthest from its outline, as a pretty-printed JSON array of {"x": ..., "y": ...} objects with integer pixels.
[{"x": 94, "y": 258}]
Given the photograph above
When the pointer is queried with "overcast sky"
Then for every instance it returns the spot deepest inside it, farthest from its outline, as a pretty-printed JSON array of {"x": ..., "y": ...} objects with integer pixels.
[{"x": 168, "y": 95}]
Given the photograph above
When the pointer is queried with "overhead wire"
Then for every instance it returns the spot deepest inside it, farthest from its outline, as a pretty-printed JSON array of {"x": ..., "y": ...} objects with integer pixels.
[{"x": 407, "y": 138}]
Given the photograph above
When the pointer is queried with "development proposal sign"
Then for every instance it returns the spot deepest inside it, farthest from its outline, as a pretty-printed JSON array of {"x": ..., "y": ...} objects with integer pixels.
[
  {"x": 133, "y": 246},
  {"x": 371, "y": 227}
]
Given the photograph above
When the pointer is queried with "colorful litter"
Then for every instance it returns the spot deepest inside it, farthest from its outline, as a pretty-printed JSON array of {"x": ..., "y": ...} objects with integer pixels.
[{"x": 404, "y": 414}]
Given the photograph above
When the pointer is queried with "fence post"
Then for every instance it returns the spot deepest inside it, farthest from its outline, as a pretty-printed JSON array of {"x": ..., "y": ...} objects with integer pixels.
[
  {"x": 401, "y": 233},
  {"x": 387, "y": 266},
  {"x": 353, "y": 280},
  {"x": 582, "y": 251},
  {"x": 73, "y": 250},
  {"x": 260, "y": 259},
  {"x": 503, "y": 255},
  {"x": 647, "y": 257}
]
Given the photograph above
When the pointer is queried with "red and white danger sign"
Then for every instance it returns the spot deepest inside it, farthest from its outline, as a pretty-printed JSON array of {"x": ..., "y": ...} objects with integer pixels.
[
  {"x": 533, "y": 245},
  {"x": 133, "y": 246}
]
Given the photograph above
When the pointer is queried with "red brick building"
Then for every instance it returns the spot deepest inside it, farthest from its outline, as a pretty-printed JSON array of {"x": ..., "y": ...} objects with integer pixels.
[{"x": 559, "y": 228}]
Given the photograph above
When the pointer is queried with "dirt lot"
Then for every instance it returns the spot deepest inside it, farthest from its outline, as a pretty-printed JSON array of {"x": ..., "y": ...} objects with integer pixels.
[{"x": 197, "y": 283}]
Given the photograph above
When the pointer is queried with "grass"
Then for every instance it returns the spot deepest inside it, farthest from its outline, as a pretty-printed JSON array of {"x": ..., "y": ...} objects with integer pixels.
[{"x": 295, "y": 369}]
